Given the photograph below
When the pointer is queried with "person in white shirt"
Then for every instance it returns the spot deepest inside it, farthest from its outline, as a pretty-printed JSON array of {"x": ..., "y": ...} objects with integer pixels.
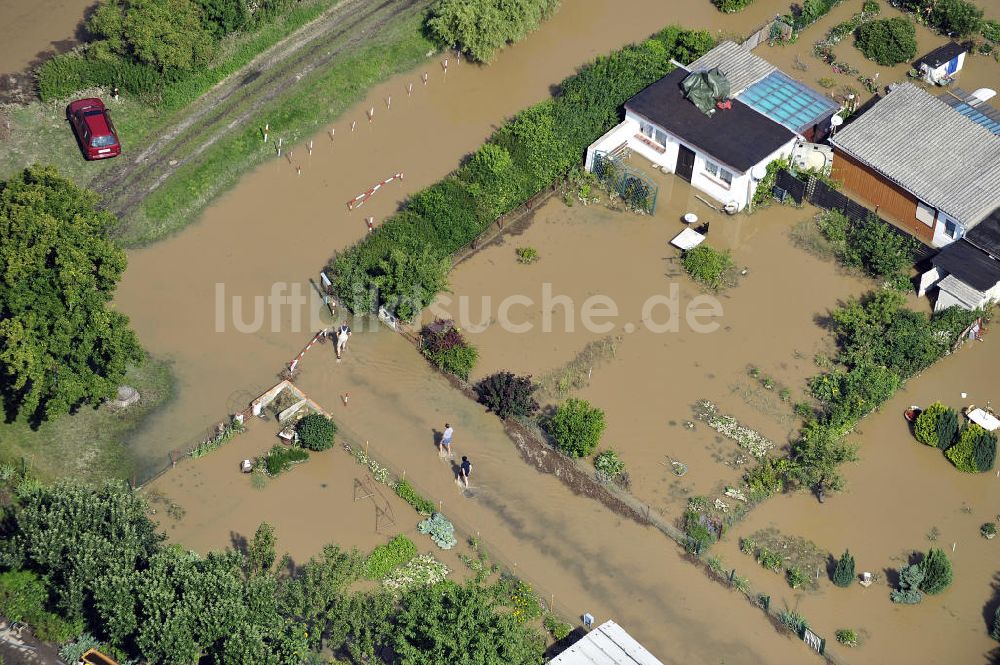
[
  {"x": 343, "y": 334},
  {"x": 445, "y": 445}
]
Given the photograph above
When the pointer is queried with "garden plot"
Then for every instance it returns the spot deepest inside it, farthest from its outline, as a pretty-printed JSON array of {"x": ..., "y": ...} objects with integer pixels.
[{"x": 752, "y": 366}]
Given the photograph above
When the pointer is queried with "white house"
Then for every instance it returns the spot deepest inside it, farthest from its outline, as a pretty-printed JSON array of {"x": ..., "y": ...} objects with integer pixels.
[
  {"x": 940, "y": 65},
  {"x": 966, "y": 273},
  {"x": 723, "y": 154}
]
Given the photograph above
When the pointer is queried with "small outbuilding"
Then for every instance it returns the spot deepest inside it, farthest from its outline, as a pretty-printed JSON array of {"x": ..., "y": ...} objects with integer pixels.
[
  {"x": 967, "y": 273},
  {"x": 940, "y": 65},
  {"x": 608, "y": 644}
]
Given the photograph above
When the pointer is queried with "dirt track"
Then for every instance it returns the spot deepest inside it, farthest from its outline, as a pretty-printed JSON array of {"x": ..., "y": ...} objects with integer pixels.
[{"x": 234, "y": 101}]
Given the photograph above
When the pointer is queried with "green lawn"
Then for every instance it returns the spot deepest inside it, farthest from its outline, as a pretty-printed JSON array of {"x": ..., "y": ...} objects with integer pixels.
[
  {"x": 92, "y": 443},
  {"x": 39, "y": 132}
]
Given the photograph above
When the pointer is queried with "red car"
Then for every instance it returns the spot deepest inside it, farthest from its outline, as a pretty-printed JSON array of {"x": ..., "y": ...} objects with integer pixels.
[{"x": 92, "y": 125}]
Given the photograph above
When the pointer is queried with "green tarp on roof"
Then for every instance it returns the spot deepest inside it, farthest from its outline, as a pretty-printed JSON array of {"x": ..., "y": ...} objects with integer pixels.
[{"x": 705, "y": 88}]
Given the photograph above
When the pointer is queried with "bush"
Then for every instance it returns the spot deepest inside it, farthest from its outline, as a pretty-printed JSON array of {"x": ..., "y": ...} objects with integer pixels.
[
  {"x": 770, "y": 560},
  {"x": 386, "y": 558},
  {"x": 991, "y": 30},
  {"x": 995, "y": 633},
  {"x": 708, "y": 265},
  {"x": 811, "y": 11},
  {"x": 975, "y": 451},
  {"x": 444, "y": 345},
  {"x": 481, "y": 27},
  {"x": 925, "y": 429},
  {"x": 508, "y": 395},
  {"x": 767, "y": 478},
  {"x": 440, "y": 529},
  {"x": 609, "y": 465},
  {"x": 700, "y": 536},
  {"x": 988, "y": 530},
  {"x": 960, "y": 18},
  {"x": 526, "y": 254},
  {"x": 22, "y": 596},
  {"x": 795, "y": 577},
  {"x": 281, "y": 458},
  {"x": 791, "y": 619},
  {"x": 62, "y": 75},
  {"x": 847, "y": 636},
  {"x": 870, "y": 245},
  {"x": 888, "y": 41},
  {"x": 316, "y": 432},
  {"x": 936, "y": 568},
  {"x": 404, "y": 490},
  {"x": 731, "y": 6},
  {"x": 843, "y": 574},
  {"x": 558, "y": 629},
  {"x": 576, "y": 427}
]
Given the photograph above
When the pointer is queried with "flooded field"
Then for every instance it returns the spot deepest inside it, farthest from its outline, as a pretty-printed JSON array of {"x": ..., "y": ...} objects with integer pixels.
[
  {"x": 902, "y": 496},
  {"x": 767, "y": 321},
  {"x": 279, "y": 228},
  {"x": 33, "y": 29},
  {"x": 798, "y": 61}
]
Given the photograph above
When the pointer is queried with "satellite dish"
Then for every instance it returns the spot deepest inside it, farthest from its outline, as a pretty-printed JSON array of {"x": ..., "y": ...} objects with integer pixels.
[
  {"x": 836, "y": 121},
  {"x": 758, "y": 172}
]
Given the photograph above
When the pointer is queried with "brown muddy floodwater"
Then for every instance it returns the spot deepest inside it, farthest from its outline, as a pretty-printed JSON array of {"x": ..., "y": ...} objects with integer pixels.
[
  {"x": 30, "y": 29},
  {"x": 274, "y": 230}
]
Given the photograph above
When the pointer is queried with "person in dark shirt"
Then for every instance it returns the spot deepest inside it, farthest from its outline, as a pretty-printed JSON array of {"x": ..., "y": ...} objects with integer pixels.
[{"x": 465, "y": 470}]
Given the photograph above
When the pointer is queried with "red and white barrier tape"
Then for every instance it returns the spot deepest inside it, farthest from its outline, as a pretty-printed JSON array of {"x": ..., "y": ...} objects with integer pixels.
[{"x": 360, "y": 199}]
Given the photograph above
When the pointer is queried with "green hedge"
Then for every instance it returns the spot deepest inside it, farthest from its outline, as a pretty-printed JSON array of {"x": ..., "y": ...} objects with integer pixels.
[
  {"x": 62, "y": 75},
  {"x": 529, "y": 153},
  {"x": 386, "y": 558},
  {"x": 731, "y": 6},
  {"x": 404, "y": 490},
  {"x": 480, "y": 28}
]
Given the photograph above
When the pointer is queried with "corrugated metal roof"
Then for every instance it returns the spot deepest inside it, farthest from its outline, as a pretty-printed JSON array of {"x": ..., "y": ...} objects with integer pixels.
[
  {"x": 739, "y": 64},
  {"x": 929, "y": 149},
  {"x": 963, "y": 293},
  {"x": 608, "y": 644}
]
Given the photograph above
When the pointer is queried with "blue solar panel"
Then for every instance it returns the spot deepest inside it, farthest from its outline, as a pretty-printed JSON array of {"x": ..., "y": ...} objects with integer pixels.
[
  {"x": 785, "y": 100},
  {"x": 980, "y": 118}
]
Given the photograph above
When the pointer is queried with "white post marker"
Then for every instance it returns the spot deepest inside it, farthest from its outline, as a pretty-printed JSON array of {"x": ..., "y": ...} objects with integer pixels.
[
  {"x": 371, "y": 114},
  {"x": 332, "y": 132},
  {"x": 354, "y": 123},
  {"x": 424, "y": 77},
  {"x": 409, "y": 89},
  {"x": 388, "y": 102}
]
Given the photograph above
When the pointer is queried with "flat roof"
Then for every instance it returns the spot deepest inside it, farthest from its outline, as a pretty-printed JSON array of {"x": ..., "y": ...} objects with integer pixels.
[
  {"x": 608, "y": 644},
  {"x": 783, "y": 99},
  {"x": 739, "y": 137}
]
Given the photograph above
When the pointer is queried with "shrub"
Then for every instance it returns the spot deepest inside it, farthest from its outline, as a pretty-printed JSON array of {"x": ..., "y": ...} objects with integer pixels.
[
  {"x": 767, "y": 478},
  {"x": 281, "y": 458},
  {"x": 847, "y": 636},
  {"x": 63, "y": 74},
  {"x": 988, "y": 530},
  {"x": 481, "y": 27},
  {"x": 995, "y": 633},
  {"x": 708, "y": 265},
  {"x": 731, "y": 6},
  {"x": 947, "y": 429},
  {"x": 958, "y": 17},
  {"x": 991, "y": 30},
  {"x": 748, "y": 546},
  {"x": 795, "y": 577},
  {"x": 700, "y": 536},
  {"x": 792, "y": 620},
  {"x": 508, "y": 395},
  {"x": 444, "y": 345},
  {"x": 826, "y": 82},
  {"x": 609, "y": 465},
  {"x": 386, "y": 558},
  {"x": 770, "y": 560},
  {"x": 870, "y": 7},
  {"x": 888, "y": 41},
  {"x": 22, "y": 596},
  {"x": 526, "y": 254},
  {"x": 936, "y": 568},
  {"x": 316, "y": 432},
  {"x": 404, "y": 490},
  {"x": 843, "y": 574},
  {"x": 576, "y": 427},
  {"x": 910, "y": 579},
  {"x": 975, "y": 451},
  {"x": 870, "y": 245},
  {"x": 440, "y": 529},
  {"x": 926, "y": 426},
  {"x": 559, "y": 630}
]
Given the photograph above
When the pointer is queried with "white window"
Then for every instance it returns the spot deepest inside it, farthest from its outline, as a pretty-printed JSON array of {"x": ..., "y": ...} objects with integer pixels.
[
  {"x": 718, "y": 172},
  {"x": 651, "y": 132},
  {"x": 926, "y": 213}
]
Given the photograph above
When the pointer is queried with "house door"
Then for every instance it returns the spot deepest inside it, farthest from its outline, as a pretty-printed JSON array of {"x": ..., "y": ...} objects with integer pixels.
[
  {"x": 953, "y": 65},
  {"x": 685, "y": 163}
]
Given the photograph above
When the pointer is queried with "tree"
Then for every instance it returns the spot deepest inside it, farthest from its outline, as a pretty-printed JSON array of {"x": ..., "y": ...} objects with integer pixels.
[
  {"x": 508, "y": 395},
  {"x": 816, "y": 458},
  {"x": 959, "y": 18},
  {"x": 316, "y": 431},
  {"x": 843, "y": 574},
  {"x": 947, "y": 429},
  {"x": 936, "y": 568},
  {"x": 975, "y": 451},
  {"x": 223, "y": 17},
  {"x": 259, "y": 558},
  {"x": 407, "y": 281},
  {"x": 995, "y": 633},
  {"x": 165, "y": 34},
  {"x": 910, "y": 579},
  {"x": 481, "y": 27},
  {"x": 449, "y": 623},
  {"x": 60, "y": 344},
  {"x": 576, "y": 427},
  {"x": 887, "y": 41}
]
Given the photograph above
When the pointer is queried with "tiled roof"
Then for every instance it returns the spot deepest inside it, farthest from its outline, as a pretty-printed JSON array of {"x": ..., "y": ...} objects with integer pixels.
[
  {"x": 739, "y": 64},
  {"x": 929, "y": 149}
]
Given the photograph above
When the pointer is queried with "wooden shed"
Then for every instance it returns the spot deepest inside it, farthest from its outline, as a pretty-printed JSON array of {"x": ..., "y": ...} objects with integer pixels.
[{"x": 940, "y": 65}]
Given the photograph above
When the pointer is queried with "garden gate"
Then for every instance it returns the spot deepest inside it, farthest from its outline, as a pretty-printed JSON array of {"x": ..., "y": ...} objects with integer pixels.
[{"x": 635, "y": 187}]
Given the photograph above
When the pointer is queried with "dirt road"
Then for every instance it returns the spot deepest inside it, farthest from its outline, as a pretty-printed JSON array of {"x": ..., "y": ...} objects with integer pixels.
[{"x": 233, "y": 102}]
